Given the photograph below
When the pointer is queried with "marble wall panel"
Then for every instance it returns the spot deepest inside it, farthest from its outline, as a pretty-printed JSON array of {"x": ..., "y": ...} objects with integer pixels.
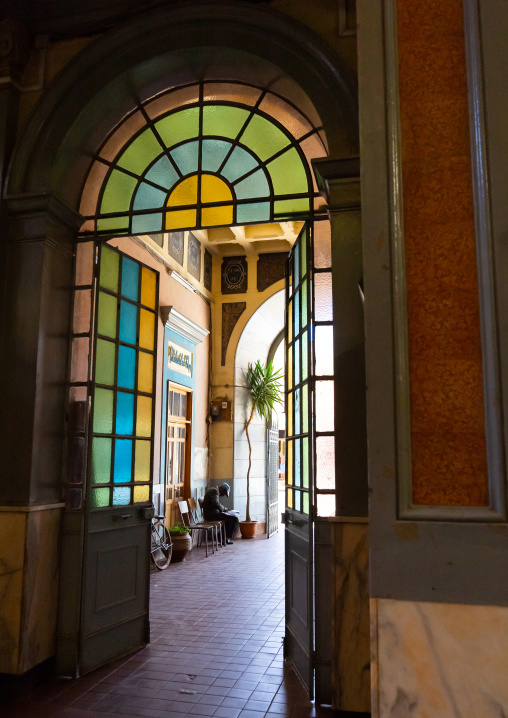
[
  {"x": 435, "y": 660},
  {"x": 12, "y": 547},
  {"x": 352, "y": 655}
]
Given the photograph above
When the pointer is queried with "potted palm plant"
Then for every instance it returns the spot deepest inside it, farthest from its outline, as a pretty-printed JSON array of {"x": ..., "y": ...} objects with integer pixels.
[{"x": 264, "y": 390}]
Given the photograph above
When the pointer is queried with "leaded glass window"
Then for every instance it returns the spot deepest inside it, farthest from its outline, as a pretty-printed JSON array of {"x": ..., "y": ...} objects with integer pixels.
[{"x": 224, "y": 157}]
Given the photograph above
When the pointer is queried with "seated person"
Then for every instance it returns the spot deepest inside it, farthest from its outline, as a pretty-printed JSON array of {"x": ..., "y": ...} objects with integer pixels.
[{"x": 213, "y": 510}]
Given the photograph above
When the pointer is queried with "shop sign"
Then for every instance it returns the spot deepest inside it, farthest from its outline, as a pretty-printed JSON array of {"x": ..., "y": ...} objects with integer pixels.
[{"x": 179, "y": 359}]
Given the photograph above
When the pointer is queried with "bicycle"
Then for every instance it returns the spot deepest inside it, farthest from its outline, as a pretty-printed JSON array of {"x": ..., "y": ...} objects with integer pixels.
[{"x": 162, "y": 548}]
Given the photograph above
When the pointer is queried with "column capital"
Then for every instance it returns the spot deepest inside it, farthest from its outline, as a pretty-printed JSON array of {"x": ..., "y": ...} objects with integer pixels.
[
  {"x": 40, "y": 217},
  {"x": 338, "y": 181}
]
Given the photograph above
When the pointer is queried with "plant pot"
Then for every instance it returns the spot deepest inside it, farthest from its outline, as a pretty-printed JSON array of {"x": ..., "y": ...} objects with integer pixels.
[
  {"x": 248, "y": 529},
  {"x": 182, "y": 545}
]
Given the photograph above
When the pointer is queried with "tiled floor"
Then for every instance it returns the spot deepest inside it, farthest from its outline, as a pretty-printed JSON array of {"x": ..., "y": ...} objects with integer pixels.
[{"x": 216, "y": 649}]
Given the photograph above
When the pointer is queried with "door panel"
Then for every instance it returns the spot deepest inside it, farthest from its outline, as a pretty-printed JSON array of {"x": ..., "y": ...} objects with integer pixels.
[
  {"x": 299, "y": 637},
  {"x": 115, "y": 584}
]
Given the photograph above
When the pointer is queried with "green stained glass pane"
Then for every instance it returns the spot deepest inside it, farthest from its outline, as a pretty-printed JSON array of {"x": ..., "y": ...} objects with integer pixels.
[
  {"x": 118, "y": 225},
  {"x": 305, "y": 507},
  {"x": 263, "y": 138},
  {"x": 297, "y": 362},
  {"x": 118, "y": 193},
  {"x": 305, "y": 357},
  {"x": 147, "y": 223},
  {"x": 305, "y": 409},
  {"x": 147, "y": 197},
  {"x": 287, "y": 207},
  {"x": 99, "y": 498},
  {"x": 305, "y": 462},
  {"x": 108, "y": 310},
  {"x": 213, "y": 154},
  {"x": 101, "y": 460},
  {"x": 223, "y": 121},
  {"x": 305, "y": 314},
  {"x": 162, "y": 173},
  {"x": 256, "y": 185},
  {"x": 298, "y": 414},
  {"x": 179, "y": 126},
  {"x": 239, "y": 163},
  {"x": 304, "y": 252},
  {"x": 103, "y": 411},
  {"x": 186, "y": 157},
  {"x": 105, "y": 362},
  {"x": 253, "y": 212},
  {"x": 110, "y": 262},
  {"x": 140, "y": 153},
  {"x": 288, "y": 173}
]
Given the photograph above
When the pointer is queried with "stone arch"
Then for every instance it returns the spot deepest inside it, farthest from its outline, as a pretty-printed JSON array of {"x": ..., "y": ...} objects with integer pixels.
[{"x": 245, "y": 42}]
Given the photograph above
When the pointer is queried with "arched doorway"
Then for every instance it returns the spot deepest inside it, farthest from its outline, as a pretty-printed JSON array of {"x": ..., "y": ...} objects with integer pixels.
[{"x": 84, "y": 109}]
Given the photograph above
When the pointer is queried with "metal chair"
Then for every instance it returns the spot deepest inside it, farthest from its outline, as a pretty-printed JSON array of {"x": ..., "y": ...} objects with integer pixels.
[
  {"x": 220, "y": 526},
  {"x": 200, "y": 529}
]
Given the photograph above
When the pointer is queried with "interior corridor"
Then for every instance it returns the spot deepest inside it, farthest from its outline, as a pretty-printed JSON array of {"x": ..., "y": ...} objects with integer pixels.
[{"x": 216, "y": 625}]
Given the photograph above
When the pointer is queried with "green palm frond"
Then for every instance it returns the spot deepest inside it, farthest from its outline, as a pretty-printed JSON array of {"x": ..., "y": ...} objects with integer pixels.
[{"x": 264, "y": 385}]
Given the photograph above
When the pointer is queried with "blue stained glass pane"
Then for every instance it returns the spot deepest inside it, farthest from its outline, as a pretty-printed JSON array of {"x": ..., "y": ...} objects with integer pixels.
[
  {"x": 255, "y": 212},
  {"x": 256, "y": 185},
  {"x": 296, "y": 311},
  {"x": 297, "y": 411},
  {"x": 147, "y": 223},
  {"x": 296, "y": 274},
  {"x": 126, "y": 367},
  {"x": 128, "y": 322},
  {"x": 186, "y": 157},
  {"x": 124, "y": 413},
  {"x": 298, "y": 478},
  {"x": 147, "y": 197},
  {"x": 163, "y": 173},
  {"x": 130, "y": 276},
  {"x": 298, "y": 500},
  {"x": 239, "y": 164},
  {"x": 122, "y": 496},
  {"x": 123, "y": 461},
  {"x": 213, "y": 154}
]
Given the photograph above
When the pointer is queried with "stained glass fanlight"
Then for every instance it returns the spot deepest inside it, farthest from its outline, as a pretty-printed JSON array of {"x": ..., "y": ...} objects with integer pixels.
[{"x": 210, "y": 154}]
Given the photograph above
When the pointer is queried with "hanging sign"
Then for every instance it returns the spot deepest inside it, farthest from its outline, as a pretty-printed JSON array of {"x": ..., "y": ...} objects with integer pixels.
[{"x": 179, "y": 359}]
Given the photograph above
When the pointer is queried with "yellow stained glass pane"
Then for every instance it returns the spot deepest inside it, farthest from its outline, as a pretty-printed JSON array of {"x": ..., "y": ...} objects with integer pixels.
[
  {"x": 213, "y": 189},
  {"x": 181, "y": 219},
  {"x": 290, "y": 415},
  {"x": 217, "y": 215},
  {"x": 148, "y": 285},
  {"x": 142, "y": 461},
  {"x": 290, "y": 321},
  {"x": 146, "y": 329},
  {"x": 290, "y": 368},
  {"x": 186, "y": 192},
  {"x": 290, "y": 498},
  {"x": 145, "y": 373},
  {"x": 141, "y": 494},
  {"x": 290, "y": 463},
  {"x": 144, "y": 416}
]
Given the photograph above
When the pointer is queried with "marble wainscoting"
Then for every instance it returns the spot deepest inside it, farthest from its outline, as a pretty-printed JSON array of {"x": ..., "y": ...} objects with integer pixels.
[
  {"x": 432, "y": 660},
  {"x": 28, "y": 585}
]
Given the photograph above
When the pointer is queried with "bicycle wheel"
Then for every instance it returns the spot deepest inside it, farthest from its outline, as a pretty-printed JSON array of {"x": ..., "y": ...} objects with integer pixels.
[{"x": 161, "y": 545}]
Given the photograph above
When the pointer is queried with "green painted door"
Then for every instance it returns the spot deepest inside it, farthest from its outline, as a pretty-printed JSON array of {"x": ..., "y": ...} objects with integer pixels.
[
  {"x": 117, "y": 505},
  {"x": 299, "y": 634}
]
